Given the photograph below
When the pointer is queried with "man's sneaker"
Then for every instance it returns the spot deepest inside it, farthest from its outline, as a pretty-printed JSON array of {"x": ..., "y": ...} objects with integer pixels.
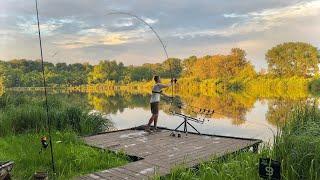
[
  {"x": 147, "y": 129},
  {"x": 156, "y": 130}
]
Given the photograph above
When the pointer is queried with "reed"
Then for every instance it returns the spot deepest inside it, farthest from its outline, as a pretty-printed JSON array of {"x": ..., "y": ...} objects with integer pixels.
[
  {"x": 21, "y": 115},
  {"x": 296, "y": 146}
]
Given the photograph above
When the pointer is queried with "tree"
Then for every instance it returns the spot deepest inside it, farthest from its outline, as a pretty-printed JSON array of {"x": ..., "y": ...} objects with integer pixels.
[
  {"x": 140, "y": 73},
  {"x": 187, "y": 66},
  {"x": 171, "y": 67},
  {"x": 222, "y": 67},
  {"x": 106, "y": 70},
  {"x": 293, "y": 58}
]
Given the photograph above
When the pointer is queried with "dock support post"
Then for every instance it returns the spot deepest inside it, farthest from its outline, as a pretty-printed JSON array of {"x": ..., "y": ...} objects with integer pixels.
[{"x": 255, "y": 148}]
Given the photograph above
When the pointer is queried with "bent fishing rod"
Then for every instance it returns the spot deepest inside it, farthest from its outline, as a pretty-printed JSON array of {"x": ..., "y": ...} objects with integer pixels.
[
  {"x": 45, "y": 89},
  {"x": 158, "y": 37}
]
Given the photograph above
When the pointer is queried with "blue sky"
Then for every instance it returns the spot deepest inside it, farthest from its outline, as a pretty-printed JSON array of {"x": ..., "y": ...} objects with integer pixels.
[{"x": 81, "y": 30}]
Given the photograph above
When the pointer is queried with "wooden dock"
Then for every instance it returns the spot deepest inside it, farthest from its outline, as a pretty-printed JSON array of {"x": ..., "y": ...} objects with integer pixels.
[{"x": 159, "y": 152}]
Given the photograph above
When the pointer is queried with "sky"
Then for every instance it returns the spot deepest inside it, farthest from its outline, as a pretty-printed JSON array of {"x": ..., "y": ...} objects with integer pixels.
[{"x": 85, "y": 31}]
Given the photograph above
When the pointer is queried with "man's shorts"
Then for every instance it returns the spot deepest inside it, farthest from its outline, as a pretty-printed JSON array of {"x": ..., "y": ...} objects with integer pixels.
[{"x": 155, "y": 107}]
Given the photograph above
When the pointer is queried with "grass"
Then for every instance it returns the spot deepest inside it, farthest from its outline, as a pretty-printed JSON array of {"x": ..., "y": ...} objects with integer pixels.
[
  {"x": 240, "y": 166},
  {"x": 72, "y": 156},
  {"x": 314, "y": 87},
  {"x": 23, "y": 122},
  {"x": 27, "y": 115},
  {"x": 297, "y": 147}
]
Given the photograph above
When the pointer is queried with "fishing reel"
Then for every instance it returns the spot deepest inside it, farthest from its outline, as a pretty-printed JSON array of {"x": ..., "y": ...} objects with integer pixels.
[
  {"x": 206, "y": 112},
  {"x": 174, "y": 80},
  {"x": 44, "y": 143}
]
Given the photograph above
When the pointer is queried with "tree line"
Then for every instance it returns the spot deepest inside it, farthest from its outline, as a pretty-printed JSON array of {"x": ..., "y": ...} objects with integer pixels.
[{"x": 284, "y": 60}]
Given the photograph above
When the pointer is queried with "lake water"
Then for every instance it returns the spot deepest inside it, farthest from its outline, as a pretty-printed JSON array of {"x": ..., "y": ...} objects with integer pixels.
[
  {"x": 241, "y": 117},
  {"x": 254, "y": 126}
]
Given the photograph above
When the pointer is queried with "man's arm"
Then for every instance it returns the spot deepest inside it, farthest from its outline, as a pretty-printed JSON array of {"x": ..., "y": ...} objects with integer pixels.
[{"x": 165, "y": 85}]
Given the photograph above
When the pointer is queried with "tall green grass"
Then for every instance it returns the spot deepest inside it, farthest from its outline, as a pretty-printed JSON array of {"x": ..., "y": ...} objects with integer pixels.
[
  {"x": 296, "y": 146},
  {"x": 23, "y": 121},
  {"x": 72, "y": 156},
  {"x": 240, "y": 166},
  {"x": 21, "y": 115}
]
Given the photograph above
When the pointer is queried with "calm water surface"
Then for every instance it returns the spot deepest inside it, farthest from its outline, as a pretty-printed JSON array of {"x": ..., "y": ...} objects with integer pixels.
[
  {"x": 242, "y": 117},
  {"x": 254, "y": 126}
]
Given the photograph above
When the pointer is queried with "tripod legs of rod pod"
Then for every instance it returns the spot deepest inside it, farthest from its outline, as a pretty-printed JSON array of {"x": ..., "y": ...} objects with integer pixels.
[{"x": 185, "y": 124}]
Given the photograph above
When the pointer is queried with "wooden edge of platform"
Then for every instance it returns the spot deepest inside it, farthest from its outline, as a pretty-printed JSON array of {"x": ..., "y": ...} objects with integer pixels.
[{"x": 164, "y": 128}]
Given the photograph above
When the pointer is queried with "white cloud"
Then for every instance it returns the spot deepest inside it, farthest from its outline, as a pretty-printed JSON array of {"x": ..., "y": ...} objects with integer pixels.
[
  {"x": 98, "y": 36},
  {"x": 149, "y": 20},
  {"x": 124, "y": 22},
  {"x": 29, "y": 26},
  {"x": 259, "y": 21}
]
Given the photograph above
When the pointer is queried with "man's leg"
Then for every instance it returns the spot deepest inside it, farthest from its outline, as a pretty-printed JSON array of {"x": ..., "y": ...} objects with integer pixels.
[
  {"x": 155, "y": 120},
  {"x": 151, "y": 120},
  {"x": 147, "y": 128}
]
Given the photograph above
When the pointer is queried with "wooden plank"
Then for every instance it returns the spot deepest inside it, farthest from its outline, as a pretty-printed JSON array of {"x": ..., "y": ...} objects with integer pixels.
[
  {"x": 116, "y": 174},
  {"x": 132, "y": 174},
  {"x": 161, "y": 152}
]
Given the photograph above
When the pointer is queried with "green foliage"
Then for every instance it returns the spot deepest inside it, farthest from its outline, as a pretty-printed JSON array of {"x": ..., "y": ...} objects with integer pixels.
[
  {"x": 140, "y": 73},
  {"x": 233, "y": 70},
  {"x": 1, "y": 86},
  {"x": 235, "y": 86},
  {"x": 106, "y": 70},
  {"x": 240, "y": 166},
  {"x": 298, "y": 147},
  {"x": 19, "y": 114},
  {"x": 293, "y": 58},
  {"x": 314, "y": 87},
  {"x": 72, "y": 156},
  {"x": 27, "y": 73}
]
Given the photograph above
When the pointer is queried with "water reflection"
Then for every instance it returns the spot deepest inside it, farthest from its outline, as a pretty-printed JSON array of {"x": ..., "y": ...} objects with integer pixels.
[{"x": 235, "y": 114}]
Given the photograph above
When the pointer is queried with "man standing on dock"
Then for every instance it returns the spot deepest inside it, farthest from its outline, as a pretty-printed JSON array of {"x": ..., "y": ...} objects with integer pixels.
[{"x": 154, "y": 101}]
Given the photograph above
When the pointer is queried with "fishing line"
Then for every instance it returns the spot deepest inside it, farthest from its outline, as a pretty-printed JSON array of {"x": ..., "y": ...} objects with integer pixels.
[{"x": 45, "y": 89}]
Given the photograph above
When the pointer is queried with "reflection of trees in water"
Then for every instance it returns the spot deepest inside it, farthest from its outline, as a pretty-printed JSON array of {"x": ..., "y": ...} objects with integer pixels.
[
  {"x": 1, "y": 90},
  {"x": 117, "y": 102},
  {"x": 54, "y": 99},
  {"x": 225, "y": 106},
  {"x": 279, "y": 110},
  {"x": 231, "y": 106}
]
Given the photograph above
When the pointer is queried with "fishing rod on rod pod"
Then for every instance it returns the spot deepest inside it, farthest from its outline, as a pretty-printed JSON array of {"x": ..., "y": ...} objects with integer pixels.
[{"x": 43, "y": 139}]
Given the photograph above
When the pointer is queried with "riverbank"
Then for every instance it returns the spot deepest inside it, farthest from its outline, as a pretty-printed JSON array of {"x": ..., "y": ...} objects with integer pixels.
[{"x": 23, "y": 122}]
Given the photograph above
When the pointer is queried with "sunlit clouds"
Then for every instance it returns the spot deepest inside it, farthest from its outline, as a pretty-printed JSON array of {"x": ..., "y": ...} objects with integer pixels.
[
  {"x": 258, "y": 21},
  {"x": 82, "y": 30}
]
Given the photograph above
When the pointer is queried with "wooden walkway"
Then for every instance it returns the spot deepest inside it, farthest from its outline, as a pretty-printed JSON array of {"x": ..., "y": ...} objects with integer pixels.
[{"x": 159, "y": 152}]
